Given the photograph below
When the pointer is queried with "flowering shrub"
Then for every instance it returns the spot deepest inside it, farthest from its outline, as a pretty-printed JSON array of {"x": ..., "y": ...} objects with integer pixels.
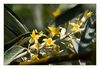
[
  {"x": 49, "y": 42},
  {"x": 59, "y": 41}
]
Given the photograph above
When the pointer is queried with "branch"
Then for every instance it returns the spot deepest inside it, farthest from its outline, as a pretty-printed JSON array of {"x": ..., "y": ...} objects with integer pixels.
[{"x": 48, "y": 60}]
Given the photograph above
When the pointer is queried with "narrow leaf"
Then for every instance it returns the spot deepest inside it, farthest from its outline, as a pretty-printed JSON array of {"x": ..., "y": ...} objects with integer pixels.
[
  {"x": 11, "y": 53},
  {"x": 9, "y": 44},
  {"x": 12, "y": 22}
]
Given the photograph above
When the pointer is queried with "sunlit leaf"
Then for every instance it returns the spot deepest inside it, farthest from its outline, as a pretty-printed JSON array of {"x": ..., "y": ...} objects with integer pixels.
[
  {"x": 13, "y": 24},
  {"x": 11, "y": 53}
]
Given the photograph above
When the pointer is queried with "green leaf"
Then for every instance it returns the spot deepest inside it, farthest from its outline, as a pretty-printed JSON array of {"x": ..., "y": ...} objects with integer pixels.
[
  {"x": 13, "y": 23},
  {"x": 11, "y": 53},
  {"x": 9, "y": 44},
  {"x": 8, "y": 35}
]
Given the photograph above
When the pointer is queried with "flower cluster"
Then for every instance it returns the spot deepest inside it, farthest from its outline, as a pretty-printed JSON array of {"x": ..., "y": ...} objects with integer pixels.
[{"x": 49, "y": 44}]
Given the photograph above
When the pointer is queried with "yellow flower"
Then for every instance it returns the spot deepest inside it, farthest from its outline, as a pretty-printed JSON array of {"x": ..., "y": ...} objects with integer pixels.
[
  {"x": 76, "y": 27},
  {"x": 54, "y": 31},
  {"x": 88, "y": 13},
  {"x": 35, "y": 57},
  {"x": 49, "y": 42},
  {"x": 34, "y": 36},
  {"x": 56, "y": 13}
]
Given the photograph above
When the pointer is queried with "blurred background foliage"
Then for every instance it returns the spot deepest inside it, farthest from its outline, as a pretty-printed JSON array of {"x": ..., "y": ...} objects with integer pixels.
[{"x": 35, "y": 16}]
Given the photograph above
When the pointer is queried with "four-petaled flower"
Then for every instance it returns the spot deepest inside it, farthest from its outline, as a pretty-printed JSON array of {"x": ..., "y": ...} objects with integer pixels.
[
  {"x": 54, "y": 31},
  {"x": 49, "y": 42},
  {"x": 75, "y": 27}
]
